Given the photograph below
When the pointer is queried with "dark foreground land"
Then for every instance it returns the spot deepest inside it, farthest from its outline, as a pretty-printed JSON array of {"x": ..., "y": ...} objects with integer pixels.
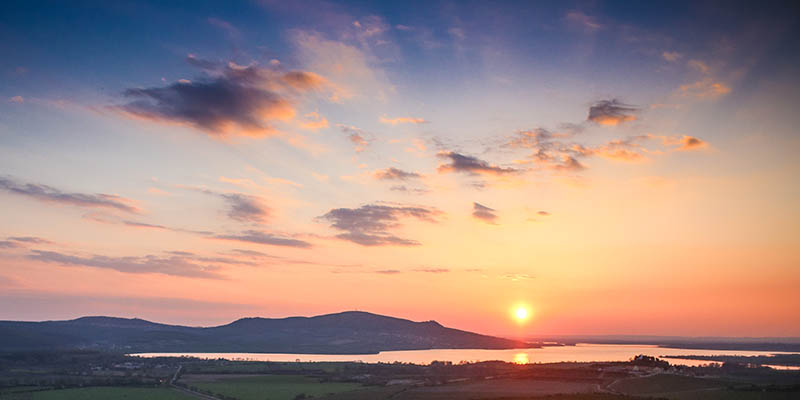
[{"x": 97, "y": 375}]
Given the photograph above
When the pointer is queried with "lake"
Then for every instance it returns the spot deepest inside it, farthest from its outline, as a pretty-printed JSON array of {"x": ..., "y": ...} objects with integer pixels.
[{"x": 550, "y": 354}]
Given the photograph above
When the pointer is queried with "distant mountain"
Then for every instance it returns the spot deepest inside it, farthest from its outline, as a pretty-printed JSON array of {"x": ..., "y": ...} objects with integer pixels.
[
  {"x": 784, "y": 344},
  {"x": 349, "y": 332}
]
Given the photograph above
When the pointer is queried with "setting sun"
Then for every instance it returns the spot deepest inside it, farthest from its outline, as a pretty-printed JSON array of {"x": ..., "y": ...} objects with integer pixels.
[{"x": 521, "y": 314}]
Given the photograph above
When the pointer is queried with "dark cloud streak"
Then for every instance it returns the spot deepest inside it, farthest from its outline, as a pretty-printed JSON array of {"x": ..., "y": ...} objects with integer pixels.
[
  {"x": 52, "y": 195},
  {"x": 369, "y": 225}
]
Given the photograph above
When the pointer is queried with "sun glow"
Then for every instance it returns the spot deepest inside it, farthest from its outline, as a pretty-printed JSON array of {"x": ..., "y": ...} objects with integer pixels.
[
  {"x": 521, "y": 313},
  {"x": 521, "y": 358}
]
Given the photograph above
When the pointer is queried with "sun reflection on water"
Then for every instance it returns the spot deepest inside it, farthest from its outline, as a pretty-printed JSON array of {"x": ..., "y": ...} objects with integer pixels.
[{"x": 521, "y": 358}]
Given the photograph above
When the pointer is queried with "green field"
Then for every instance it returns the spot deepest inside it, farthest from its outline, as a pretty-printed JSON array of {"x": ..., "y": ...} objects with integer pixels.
[
  {"x": 677, "y": 387},
  {"x": 724, "y": 394},
  {"x": 100, "y": 393},
  {"x": 664, "y": 383},
  {"x": 267, "y": 387}
]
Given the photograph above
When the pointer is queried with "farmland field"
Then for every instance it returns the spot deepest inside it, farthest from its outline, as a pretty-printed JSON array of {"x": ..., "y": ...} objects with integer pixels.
[
  {"x": 104, "y": 393},
  {"x": 261, "y": 387}
]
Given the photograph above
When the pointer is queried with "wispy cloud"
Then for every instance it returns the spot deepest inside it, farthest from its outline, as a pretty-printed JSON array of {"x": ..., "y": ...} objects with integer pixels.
[
  {"x": 402, "y": 120},
  {"x": 52, "y": 195},
  {"x": 360, "y": 138},
  {"x": 559, "y": 151},
  {"x": 388, "y": 271},
  {"x": 369, "y": 225},
  {"x": 259, "y": 237},
  {"x": 30, "y": 239},
  {"x": 395, "y": 174},
  {"x": 484, "y": 213},
  {"x": 680, "y": 143},
  {"x": 241, "y": 207},
  {"x": 245, "y": 208},
  {"x": 313, "y": 121},
  {"x": 346, "y": 63},
  {"x": 611, "y": 112},
  {"x": 432, "y": 270},
  {"x": 470, "y": 165},
  {"x": 581, "y": 20},
  {"x": 232, "y": 31},
  {"x": 408, "y": 189},
  {"x": 705, "y": 88},
  {"x": 172, "y": 265},
  {"x": 671, "y": 56}
]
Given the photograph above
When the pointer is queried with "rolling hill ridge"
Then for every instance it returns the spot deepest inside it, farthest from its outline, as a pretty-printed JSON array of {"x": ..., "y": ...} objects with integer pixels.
[{"x": 351, "y": 332}]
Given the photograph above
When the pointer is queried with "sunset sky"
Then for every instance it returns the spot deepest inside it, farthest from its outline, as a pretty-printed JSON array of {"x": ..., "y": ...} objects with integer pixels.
[{"x": 615, "y": 167}]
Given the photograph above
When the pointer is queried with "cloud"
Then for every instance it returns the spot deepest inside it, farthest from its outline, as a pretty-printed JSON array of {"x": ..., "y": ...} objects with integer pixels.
[
  {"x": 226, "y": 26},
  {"x": 433, "y": 270},
  {"x": 52, "y": 195},
  {"x": 402, "y": 120},
  {"x": 680, "y": 143},
  {"x": 671, "y": 56},
  {"x": 394, "y": 174},
  {"x": 568, "y": 164},
  {"x": 557, "y": 152},
  {"x": 172, "y": 265},
  {"x": 704, "y": 89},
  {"x": 611, "y": 112},
  {"x": 620, "y": 149},
  {"x": 314, "y": 122},
  {"x": 245, "y": 208},
  {"x": 699, "y": 66},
  {"x": 406, "y": 189},
  {"x": 17, "y": 99},
  {"x": 345, "y": 65},
  {"x": 9, "y": 244},
  {"x": 260, "y": 237},
  {"x": 360, "y": 138},
  {"x": 144, "y": 225},
  {"x": 241, "y": 207},
  {"x": 229, "y": 100},
  {"x": 484, "y": 213},
  {"x": 251, "y": 253},
  {"x": 30, "y": 239},
  {"x": 691, "y": 143},
  {"x": 388, "y": 271},
  {"x": 136, "y": 224},
  {"x": 543, "y": 213},
  {"x": 457, "y": 33},
  {"x": 369, "y": 225},
  {"x": 585, "y": 22},
  {"x": 470, "y": 165}
]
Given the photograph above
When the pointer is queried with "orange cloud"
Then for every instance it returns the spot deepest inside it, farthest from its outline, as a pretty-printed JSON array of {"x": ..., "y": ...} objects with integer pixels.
[
  {"x": 680, "y": 143},
  {"x": 704, "y": 89},
  {"x": 611, "y": 112},
  {"x": 402, "y": 120},
  {"x": 230, "y": 100},
  {"x": 671, "y": 56},
  {"x": 314, "y": 122},
  {"x": 691, "y": 143}
]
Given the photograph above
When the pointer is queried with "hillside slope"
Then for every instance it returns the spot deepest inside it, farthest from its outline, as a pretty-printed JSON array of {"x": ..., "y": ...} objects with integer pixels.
[{"x": 342, "y": 333}]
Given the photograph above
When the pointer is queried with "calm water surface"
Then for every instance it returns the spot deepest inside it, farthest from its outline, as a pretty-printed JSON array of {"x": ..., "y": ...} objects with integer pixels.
[{"x": 577, "y": 353}]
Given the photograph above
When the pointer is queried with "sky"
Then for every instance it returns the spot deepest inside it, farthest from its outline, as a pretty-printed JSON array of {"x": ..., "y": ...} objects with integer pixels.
[{"x": 613, "y": 167}]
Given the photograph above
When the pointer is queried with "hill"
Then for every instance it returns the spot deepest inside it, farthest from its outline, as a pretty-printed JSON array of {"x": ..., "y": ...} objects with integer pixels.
[{"x": 349, "y": 332}]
